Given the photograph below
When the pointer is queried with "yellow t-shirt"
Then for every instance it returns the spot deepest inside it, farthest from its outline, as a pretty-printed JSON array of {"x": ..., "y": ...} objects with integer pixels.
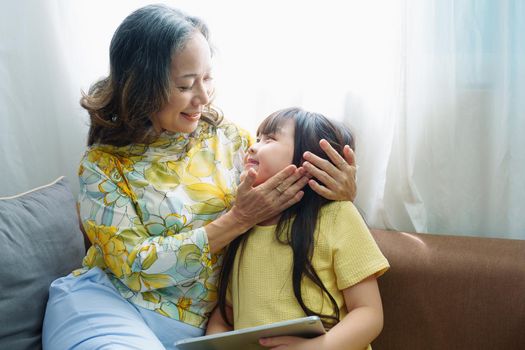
[{"x": 345, "y": 253}]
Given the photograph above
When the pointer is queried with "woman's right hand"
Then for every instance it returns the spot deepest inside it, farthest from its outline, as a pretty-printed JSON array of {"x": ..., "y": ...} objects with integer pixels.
[{"x": 257, "y": 204}]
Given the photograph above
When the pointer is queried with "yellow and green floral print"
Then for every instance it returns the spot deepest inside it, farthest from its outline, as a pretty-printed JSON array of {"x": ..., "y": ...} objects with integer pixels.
[{"x": 143, "y": 208}]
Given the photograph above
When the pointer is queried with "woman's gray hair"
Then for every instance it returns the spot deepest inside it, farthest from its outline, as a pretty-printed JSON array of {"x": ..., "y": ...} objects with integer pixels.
[{"x": 145, "y": 42}]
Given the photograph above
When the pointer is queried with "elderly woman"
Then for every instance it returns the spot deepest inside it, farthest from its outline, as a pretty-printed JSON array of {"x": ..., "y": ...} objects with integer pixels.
[{"x": 160, "y": 194}]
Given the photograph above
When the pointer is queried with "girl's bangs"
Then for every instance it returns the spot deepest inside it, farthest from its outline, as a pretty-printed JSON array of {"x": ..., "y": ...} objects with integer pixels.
[{"x": 272, "y": 123}]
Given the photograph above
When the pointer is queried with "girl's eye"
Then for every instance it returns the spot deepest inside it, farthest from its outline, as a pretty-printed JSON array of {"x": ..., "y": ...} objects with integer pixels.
[
  {"x": 184, "y": 88},
  {"x": 265, "y": 138}
]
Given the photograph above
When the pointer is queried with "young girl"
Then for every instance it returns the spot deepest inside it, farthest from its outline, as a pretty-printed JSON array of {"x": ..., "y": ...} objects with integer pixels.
[{"x": 315, "y": 258}]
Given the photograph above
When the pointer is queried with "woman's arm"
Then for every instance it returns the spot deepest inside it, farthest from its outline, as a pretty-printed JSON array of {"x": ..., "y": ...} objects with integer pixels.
[
  {"x": 132, "y": 252},
  {"x": 338, "y": 181},
  {"x": 217, "y": 324},
  {"x": 139, "y": 254},
  {"x": 357, "y": 329}
]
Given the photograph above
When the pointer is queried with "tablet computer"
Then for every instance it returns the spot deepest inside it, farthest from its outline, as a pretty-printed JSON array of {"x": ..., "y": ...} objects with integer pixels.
[{"x": 248, "y": 338}]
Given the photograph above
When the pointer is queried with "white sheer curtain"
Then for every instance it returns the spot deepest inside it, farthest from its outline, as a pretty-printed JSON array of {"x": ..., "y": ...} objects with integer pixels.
[
  {"x": 432, "y": 89},
  {"x": 41, "y": 132},
  {"x": 457, "y": 159}
]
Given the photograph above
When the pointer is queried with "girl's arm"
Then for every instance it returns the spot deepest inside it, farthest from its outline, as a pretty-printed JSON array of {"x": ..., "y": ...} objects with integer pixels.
[
  {"x": 217, "y": 324},
  {"x": 364, "y": 321},
  {"x": 355, "y": 331}
]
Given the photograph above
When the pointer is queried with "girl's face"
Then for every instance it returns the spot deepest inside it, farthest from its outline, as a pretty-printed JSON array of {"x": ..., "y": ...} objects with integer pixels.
[
  {"x": 271, "y": 153},
  {"x": 191, "y": 87}
]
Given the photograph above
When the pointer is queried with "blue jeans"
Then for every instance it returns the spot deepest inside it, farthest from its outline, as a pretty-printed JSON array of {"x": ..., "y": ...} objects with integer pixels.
[{"x": 87, "y": 312}]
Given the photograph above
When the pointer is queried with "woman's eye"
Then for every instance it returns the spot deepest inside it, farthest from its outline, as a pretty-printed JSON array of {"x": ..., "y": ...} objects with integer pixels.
[{"x": 184, "y": 88}]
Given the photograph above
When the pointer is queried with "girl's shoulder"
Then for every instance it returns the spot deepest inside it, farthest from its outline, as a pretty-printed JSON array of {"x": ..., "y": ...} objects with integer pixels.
[
  {"x": 339, "y": 210},
  {"x": 340, "y": 217}
]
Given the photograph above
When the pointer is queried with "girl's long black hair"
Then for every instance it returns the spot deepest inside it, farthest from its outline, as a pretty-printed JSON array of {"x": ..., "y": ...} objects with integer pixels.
[{"x": 296, "y": 226}]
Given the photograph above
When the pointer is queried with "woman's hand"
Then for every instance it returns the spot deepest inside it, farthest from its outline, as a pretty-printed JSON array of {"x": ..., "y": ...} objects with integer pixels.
[
  {"x": 257, "y": 204},
  {"x": 338, "y": 181}
]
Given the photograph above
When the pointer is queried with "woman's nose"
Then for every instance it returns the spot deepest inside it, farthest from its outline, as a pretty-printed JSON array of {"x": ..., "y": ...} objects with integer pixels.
[{"x": 202, "y": 96}]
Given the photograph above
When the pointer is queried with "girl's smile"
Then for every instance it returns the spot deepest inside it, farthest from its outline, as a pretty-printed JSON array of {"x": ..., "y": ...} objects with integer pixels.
[{"x": 271, "y": 153}]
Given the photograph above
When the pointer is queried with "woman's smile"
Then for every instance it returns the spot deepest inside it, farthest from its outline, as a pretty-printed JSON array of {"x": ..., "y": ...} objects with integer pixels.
[{"x": 191, "y": 116}]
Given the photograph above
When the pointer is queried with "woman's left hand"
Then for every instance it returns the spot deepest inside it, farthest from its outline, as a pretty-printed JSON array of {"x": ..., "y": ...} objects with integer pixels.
[{"x": 338, "y": 181}]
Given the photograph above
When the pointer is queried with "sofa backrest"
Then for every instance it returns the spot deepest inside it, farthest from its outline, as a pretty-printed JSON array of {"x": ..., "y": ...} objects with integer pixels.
[
  {"x": 450, "y": 292},
  {"x": 40, "y": 241}
]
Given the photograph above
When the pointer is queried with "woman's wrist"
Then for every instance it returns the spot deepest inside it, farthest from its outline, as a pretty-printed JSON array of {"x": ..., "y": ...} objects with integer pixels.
[
  {"x": 241, "y": 220},
  {"x": 225, "y": 229}
]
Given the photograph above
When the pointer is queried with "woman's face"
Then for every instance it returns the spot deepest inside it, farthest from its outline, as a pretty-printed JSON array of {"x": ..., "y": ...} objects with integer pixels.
[
  {"x": 191, "y": 87},
  {"x": 271, "y": 153}
]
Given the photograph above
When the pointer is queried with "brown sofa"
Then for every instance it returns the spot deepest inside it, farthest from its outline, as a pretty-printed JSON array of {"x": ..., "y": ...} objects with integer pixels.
[{"x": 450, "y": 292}]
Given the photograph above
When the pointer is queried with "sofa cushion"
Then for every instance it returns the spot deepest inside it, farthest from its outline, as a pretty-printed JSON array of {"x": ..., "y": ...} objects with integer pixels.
[
  {"x": 40, "y": 241},
  {"x": 451, "y": 292}
]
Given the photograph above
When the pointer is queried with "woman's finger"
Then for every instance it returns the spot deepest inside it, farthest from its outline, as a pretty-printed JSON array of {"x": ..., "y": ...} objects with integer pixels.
[
  {"x": 327, "y": 179},
  {"x": 336, "y": 182},
  {"x": 321, "y": 190},
  {"x": 295, "y": 199},
  {"x": 334, "y": 156},
  {"x": 276, "y": 180},
  {"x": 286, "y": 194},
  {"x": 248, "y": 181},
  {"x": 322, "y": 164},
  {"x": 288, "y": 187},
  {"x": 349, "y": 155},
  {"x": 292, "y": 183},
  {"x": 259, "y": 203}
]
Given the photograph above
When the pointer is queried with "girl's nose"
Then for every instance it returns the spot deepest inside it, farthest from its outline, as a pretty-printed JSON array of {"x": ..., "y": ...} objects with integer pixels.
[{"x": 253, "y": 148}]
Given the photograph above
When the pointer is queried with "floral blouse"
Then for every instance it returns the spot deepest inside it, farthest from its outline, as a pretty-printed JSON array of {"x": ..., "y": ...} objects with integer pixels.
[{"x": 143, "y": 208}]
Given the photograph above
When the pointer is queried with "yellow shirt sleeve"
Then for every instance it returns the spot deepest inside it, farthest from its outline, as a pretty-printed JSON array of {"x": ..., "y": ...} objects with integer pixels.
[{"x": 356, "y": 255}]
